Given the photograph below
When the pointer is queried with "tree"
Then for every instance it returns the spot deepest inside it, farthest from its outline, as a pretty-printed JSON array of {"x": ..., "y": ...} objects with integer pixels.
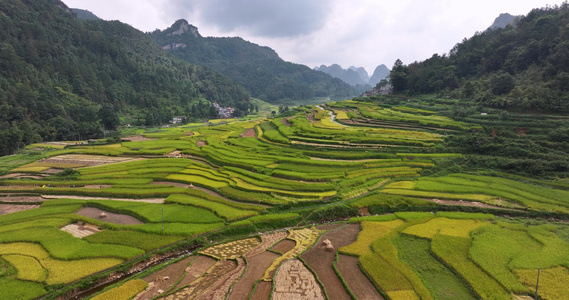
[
  {"x": 502, "y": 83},
  {"x": 109, "y": 117},
  {"x": 398, "y": 76}
]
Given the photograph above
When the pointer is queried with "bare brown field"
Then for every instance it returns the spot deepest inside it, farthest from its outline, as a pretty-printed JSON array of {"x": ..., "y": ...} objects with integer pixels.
[
  {"x": 197, "y": 268},
  {"x": 256, "y": 267},
  {"x": 357, "y": 281},
  {"x": 320, "y": 259},
  {"x": 246, "y": 269},
  {"x": 284, "y": 246},
  {"x": 12, "y": 208},
  {"x": 248, "y": 133},
  {"x": 164, "y": 279}
]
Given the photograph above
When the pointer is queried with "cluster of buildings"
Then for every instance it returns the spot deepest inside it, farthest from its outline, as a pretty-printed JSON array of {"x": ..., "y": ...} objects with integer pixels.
[{"x": 224, "y": 112}]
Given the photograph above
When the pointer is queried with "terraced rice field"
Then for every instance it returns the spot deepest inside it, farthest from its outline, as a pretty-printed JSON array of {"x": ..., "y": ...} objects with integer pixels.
[{"x": 241, "y": 204}]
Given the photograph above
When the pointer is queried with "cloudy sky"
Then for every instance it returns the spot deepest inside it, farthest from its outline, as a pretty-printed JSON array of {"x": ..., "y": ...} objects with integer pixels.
[{"x": 363, "y": 33}]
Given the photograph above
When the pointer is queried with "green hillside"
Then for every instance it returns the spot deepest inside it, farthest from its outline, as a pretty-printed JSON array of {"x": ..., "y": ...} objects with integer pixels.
[
  {"x": 259, "y": 69},
  {"x": 522, "y": 67},
  {"x": 57, "y": 73}
]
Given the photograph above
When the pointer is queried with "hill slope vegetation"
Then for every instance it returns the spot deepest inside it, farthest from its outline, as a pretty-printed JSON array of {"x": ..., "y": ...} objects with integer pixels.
[
  {"x": 259, "y": 69},
  {"x": 57, "y": 73},
  {"x": 522, "y": 67}
]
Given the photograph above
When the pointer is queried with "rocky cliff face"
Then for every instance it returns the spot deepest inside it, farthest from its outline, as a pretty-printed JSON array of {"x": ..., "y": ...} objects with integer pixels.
[
  {"x": 182, "y": 27},
  {"x": 504, "y": 20}
]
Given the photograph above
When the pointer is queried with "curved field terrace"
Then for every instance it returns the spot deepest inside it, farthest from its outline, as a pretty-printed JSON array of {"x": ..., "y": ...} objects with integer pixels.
[{"x": 291, "y": 207}]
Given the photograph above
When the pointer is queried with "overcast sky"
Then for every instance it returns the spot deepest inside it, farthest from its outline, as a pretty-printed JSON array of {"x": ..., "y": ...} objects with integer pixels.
[{"x": 363, "y": 33}]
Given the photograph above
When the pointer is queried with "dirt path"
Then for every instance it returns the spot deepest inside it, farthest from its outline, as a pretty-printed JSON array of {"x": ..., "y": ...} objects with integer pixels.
[
  {"x": 137, "y": 138},
  {"x": 21, "y": 199},
  {"x": 105, "y": 216},
  {"x": 149, "y": 200},
  {"x": 357, "y": 281},
  {"x": 23, "y": 175},
  {"x": 320, "y": 260},
  {"x": 467, "y": 203}
]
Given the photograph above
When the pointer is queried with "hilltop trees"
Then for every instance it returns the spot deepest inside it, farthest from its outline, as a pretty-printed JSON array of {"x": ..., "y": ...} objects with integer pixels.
[{"x": 520, "y": 67}]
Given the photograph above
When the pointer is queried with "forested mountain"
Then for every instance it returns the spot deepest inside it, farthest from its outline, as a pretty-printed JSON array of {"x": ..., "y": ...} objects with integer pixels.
[
  {"x": 59, "y": 75},
  {"x": 523, "y": 67},
  {"x": 259, "y": 69}
]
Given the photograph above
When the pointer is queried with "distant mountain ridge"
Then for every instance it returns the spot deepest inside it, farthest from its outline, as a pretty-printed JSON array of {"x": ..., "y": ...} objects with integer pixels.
[
  {"x": 257, "y": 68},
  {"x": 381, "y": 72},
  {"x": 349, "y": 76},
  {"x": 356, "y": 76},
  {"x": 83, "y": 14}
]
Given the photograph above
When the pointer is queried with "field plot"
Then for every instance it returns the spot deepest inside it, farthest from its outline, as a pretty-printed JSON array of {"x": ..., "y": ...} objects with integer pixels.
[
  {"x": 246, "y": 201},
  {"x": 294, "y": 281},
  {"x": 490, "y": 190}
]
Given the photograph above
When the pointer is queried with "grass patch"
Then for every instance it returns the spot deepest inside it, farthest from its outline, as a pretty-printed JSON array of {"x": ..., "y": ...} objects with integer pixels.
[
  {"x": 144, "y": 241},
  {"x": 222, "y": 210},
  {"x": 438, "y": 278},
  {"x": 454, "y": 252}
]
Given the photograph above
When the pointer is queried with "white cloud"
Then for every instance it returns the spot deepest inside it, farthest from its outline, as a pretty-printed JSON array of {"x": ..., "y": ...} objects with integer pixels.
[{"x": 314, "y": 32}]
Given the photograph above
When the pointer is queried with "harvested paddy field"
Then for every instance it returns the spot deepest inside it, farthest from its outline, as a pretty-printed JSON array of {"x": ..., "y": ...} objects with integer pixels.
[
  {"x": 321, "y": 257},
  {"x": 12, "y": 208}
]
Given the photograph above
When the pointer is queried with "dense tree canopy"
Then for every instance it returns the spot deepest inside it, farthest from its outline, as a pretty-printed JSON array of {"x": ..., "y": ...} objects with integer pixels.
[
  {"x": 57, "y": 73},
  {"x": 524, "y": 66}
]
